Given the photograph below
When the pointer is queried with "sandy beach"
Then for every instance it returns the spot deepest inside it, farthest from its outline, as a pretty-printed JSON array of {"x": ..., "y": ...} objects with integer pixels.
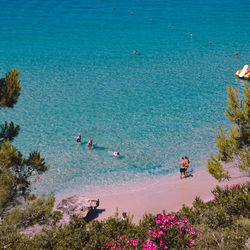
[{"x": 167, "y": 193}]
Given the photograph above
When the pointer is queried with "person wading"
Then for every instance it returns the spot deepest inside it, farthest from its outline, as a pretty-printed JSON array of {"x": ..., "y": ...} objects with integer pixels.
[{"x": 183, "y": 168}]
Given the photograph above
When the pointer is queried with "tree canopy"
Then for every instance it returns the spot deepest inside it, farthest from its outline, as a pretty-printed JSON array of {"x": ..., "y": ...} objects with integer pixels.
[
  {"x": 10, "y": 89},
  {"x": 233, "y": 145},
  {"x": 15, "y": 170}
]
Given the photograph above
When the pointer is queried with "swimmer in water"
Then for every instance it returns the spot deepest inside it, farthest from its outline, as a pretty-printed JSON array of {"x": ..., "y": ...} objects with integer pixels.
[
  {"x": 135, "y": 52},
  {"x": 79, "y": 138},
  {"x": 90, "y": 143},
  {"x": 116, "y": 154}
]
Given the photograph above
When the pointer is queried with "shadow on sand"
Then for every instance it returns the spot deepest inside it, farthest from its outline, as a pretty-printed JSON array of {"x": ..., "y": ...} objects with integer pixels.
[
  {"x": 189, "y": 173},
  {"x": 94, "y": 214}
]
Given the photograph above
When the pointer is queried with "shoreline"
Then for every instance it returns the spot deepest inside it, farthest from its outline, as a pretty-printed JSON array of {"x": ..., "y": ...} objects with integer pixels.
[{"x": 167, "y": 193}]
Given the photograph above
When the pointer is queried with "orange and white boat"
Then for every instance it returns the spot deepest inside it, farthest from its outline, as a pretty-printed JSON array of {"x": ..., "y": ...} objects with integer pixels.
[{"x": 244, "y": 73}]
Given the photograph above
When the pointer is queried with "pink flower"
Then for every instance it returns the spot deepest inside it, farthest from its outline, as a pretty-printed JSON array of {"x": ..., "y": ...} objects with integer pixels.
[
  {"x": 185, "y": 220},
  {"x": 149, "y": 245},
  {"x": 158, "y": 222},
  {"x": 158, "y": 216},
  {"x": 235, "y": 186},
  {"x": 191, "y": 242},
  {"x": 135, "y": 242},
  {"x": 160, "y": 233},
  {"x": 154, "y": 234},
  {"x": 181, "y": 232}
]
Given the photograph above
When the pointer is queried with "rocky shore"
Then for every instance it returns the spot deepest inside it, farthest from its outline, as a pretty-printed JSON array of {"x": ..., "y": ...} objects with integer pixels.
[
  {"x": 73, "y": 206},
  {"x": 76, "y": 206}
]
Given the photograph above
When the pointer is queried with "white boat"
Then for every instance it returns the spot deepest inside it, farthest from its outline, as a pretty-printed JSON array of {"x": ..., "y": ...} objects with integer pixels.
[{"x": 244, "y": 73}]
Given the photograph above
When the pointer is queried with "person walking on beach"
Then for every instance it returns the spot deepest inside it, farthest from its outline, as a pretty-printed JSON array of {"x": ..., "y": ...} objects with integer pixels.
[
  {"x": 187, "y": 162},
  {"x": 183, "y": 168},
  {"x": 79, "y": 138}
]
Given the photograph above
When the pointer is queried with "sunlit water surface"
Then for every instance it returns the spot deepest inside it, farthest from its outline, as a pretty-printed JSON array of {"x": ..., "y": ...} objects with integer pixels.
[{"x": 79, "y": 74}]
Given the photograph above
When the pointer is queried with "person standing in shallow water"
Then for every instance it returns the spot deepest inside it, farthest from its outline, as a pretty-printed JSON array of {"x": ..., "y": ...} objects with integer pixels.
[
  {"x": 183, "y": 168},
  {"x": 79, "y": 138},
  {"x": 187, "y": 162},
  {"x": 90, "y": 143}
]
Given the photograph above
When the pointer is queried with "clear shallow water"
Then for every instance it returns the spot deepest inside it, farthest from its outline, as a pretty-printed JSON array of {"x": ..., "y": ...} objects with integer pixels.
[{"x": 79, "y": 75}]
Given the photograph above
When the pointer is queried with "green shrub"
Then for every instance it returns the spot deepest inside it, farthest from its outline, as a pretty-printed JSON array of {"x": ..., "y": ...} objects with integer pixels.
[
  {"x": 218, "y": 217},
  {"x": 233, "y": 237},
  {"x": 223, "y": 221},
  {"x": 234, "y": 198},
  {"x": 39, "y": 211}
]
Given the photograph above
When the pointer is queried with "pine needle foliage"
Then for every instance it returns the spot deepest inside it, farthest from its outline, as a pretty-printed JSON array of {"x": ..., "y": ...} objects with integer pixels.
[
  {"x": 38, "y": 211},
  {"x": 10, "y": 89},
  {"x": 16, "y": 172},
  {"x": 233, "y": 145},
  {"x": 8, "y": 131}
]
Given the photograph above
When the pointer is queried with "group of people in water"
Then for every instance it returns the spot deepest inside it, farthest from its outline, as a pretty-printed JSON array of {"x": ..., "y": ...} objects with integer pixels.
[
  {"x": 90, "y": 144},
  {"x": 184, "y": 164}
]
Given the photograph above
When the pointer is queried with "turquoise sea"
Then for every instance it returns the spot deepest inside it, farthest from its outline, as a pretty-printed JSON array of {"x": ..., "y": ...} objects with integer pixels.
[{"x": 79, "y": 74}]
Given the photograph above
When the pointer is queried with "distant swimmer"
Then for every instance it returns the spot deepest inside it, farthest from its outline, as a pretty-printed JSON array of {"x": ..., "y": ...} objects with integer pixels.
[
  {"x": 79, "y": 138},
  {"x": 136, "y": 52},
  {"x": 117, "y": 154},
  {"x": 90, "y": 143}
]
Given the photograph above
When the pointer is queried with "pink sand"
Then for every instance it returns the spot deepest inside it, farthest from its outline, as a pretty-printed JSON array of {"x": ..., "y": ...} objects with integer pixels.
[{"x": 167, "y": 193}]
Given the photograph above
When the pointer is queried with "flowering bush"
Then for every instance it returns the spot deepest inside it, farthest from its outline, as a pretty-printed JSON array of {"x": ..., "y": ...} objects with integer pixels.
[
  {"x": 234, "y": 198},
  {"x": 169, "y": 232},
  {"x": 123, "y": 243},
  {"x": 224, "y": 224},
  {"x": 226, "y": 191}
]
